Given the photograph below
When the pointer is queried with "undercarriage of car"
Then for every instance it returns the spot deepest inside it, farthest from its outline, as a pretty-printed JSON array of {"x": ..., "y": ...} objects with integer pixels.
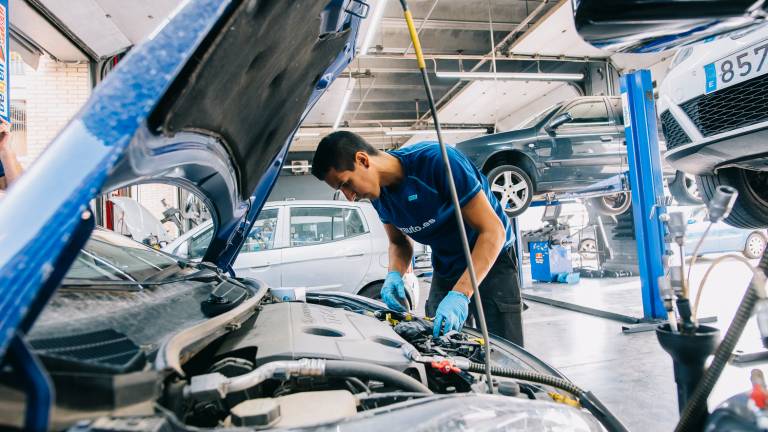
[{"x": 252, "y": 360}]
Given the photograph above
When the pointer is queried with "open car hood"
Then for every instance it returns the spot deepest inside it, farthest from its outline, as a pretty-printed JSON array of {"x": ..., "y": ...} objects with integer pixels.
[{"x": 209, "y": 102}]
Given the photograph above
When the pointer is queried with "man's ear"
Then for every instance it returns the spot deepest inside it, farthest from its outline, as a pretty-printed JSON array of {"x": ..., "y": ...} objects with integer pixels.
[{"x": 363, "y": 159}]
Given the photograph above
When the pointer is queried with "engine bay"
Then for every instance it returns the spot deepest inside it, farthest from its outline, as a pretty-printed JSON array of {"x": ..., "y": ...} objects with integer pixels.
[
  {"x": 329, "y": 358},
  {"x": 261, "y": 363}
]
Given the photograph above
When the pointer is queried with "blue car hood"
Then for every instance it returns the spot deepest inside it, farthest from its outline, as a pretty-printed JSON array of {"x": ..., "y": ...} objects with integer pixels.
[{"x": 209, "y": 102}]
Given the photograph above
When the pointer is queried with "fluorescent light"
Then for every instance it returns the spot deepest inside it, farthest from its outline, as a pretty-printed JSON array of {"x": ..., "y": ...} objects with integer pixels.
[
  {"x": 344, "y": 102},
  {"x": 432, "y": 131},
  {"x": 306, "y": 134},
  {"x": 378, "y": 12},
  {"x": 517, "y": 76}
]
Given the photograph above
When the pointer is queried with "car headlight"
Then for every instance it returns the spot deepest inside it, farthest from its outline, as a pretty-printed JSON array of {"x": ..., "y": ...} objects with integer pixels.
[{"x": 681, "y": 56}]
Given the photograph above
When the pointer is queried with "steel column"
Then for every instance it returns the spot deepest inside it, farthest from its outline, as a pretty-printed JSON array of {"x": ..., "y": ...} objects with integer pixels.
[{"x": 645, "y": 176}]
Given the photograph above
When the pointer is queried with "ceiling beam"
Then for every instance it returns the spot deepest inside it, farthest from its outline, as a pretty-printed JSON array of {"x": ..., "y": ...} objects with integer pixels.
[{"x": 433, "y": 24}]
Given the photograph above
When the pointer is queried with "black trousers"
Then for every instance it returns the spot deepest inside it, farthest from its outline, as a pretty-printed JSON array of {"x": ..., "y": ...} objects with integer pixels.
[{"x": 500, "y": 293}]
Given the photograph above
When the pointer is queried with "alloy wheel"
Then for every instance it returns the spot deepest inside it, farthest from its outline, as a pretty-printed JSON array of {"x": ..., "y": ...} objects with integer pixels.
[{"x": 511, "y": 190}]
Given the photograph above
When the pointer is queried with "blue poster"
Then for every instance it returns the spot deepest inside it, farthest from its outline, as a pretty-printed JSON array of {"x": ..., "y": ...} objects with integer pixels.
[{"x": 5, "y": 58}]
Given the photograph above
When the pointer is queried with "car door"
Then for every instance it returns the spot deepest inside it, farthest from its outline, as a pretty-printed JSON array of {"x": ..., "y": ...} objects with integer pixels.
[
  {"x": 586, "y": 149},
  {"x": 329, "y": 248},
  {"x": 261, "y": 255}
]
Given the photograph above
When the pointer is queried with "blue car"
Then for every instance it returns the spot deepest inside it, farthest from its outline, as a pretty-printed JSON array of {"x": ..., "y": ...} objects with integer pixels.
[
  {"x": 130, "y": 338},
  {"x": 722, "y": 237}
]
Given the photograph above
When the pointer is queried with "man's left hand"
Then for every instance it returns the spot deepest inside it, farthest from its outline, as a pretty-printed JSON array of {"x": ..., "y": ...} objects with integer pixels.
[{"x": 451, "y": 313}]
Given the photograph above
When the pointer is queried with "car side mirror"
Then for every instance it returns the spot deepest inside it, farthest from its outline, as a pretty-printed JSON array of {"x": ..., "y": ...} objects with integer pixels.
[{"x": 558, "y": 121}]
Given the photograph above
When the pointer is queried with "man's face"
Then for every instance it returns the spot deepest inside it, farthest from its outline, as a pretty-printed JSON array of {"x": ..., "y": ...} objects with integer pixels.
[{"x": 358, "y": 183}]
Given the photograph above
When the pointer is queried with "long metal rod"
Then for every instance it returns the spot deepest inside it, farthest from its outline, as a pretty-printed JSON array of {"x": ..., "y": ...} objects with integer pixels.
[{"x": 454, "y": 194}]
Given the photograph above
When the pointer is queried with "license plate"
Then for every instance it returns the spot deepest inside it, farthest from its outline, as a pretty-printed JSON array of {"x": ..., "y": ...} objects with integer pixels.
[{"x": 740, "y": 66}]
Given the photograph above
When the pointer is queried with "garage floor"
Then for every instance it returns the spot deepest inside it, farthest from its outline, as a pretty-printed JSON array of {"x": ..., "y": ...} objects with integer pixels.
[{"x": 631, "y": 374}]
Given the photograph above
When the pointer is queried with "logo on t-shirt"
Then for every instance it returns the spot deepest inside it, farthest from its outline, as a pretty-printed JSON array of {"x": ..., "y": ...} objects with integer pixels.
[
  {"x": 412, "y": 197},
  {"x": 414, "y": 229}
]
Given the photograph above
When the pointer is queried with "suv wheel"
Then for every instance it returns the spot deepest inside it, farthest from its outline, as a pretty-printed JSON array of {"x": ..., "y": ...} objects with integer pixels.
[
  {"x": 755, "y": 245},
  {"x": 513, "y": 187},
  {"x": 684, "y": 189},
  {"x": 612, "y": 205},
  {"x": 751, "y": 208}
]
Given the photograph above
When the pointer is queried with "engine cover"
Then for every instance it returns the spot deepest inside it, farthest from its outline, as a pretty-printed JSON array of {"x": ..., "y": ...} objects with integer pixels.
[{"x": 294, "y": 330}]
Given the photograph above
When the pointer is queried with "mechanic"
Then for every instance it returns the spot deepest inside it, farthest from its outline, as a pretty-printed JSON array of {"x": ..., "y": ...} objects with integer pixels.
[
  {"x": 410, "y": 191},
  {"x": 10, "y": 168}
]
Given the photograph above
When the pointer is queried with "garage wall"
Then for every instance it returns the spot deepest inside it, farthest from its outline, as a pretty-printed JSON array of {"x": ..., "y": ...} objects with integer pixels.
[{"x": 53, "y": 94}]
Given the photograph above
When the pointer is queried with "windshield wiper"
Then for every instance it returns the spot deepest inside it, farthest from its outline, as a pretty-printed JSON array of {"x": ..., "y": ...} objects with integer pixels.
[{"x": 202, "y": 275}]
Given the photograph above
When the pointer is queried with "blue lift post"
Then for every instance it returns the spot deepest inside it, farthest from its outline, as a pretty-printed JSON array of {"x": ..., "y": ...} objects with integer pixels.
[{"x": 645, "y": 176}]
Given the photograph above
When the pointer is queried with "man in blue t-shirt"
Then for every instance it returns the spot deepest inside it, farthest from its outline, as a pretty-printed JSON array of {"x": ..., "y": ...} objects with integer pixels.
[{"x": 410, "y": 191}]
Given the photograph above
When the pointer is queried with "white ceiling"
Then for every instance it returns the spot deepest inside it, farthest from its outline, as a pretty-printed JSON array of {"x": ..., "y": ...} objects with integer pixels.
[
  {"x": 555, "y": 35},
  {"x": 106, "y": 27},
  {"x": 489, "y": 101},
  {"x": 41, "y": 32}
]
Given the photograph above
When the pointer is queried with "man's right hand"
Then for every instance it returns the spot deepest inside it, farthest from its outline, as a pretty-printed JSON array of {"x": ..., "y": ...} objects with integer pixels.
[{"x": 393, "y": 292}]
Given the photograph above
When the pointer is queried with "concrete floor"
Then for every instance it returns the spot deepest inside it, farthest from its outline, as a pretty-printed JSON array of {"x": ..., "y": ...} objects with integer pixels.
[{"x": 630, "y": 373}]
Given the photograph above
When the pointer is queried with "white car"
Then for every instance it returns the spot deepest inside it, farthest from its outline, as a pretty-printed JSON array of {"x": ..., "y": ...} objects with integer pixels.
[
  {"x": 714, "y": 113},
  {"x": 318, "y": 245}
]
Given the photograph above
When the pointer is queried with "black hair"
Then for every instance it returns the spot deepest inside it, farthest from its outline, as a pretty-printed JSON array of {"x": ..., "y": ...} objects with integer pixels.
[{"x": 337, "y": 151}]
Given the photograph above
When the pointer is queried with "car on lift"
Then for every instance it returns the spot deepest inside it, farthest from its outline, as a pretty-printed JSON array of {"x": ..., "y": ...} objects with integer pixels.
[
  {"x": 568, "y": 146},
  {"x": 715, "y": 119},
  {"x": 182, "y": 345},
  {"x": 319, "y": 245}
]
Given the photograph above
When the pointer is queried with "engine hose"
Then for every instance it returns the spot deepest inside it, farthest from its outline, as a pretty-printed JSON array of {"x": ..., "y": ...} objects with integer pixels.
[
  {"x": 345, "y": 369},
  {"x": 690, "y": 417},
  {"x": 586, "y": 399}
]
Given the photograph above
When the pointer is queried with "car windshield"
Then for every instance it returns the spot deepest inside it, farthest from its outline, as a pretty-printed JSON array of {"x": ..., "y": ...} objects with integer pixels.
[
  {"x": 112, "y": 257},
  {"x": 533, "y": 121}
]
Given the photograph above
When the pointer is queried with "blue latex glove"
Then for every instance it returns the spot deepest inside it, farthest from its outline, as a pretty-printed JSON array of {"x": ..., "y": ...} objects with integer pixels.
[
  {"x": 393, "y": 291},
  {"x": 451, "y": 313}
]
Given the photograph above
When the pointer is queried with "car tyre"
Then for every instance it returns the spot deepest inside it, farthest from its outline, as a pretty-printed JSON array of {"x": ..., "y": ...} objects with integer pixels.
[
  {"x": 751, "y": 208},
  {"x": 373, "y": 291},
  {"x": 685, "y": 190},
  {"x": 755, "y": 245},
  {"x": 588, "y": 248},
  {"x": 513, "y": 187},
  {"x": 612, "y": 205}
]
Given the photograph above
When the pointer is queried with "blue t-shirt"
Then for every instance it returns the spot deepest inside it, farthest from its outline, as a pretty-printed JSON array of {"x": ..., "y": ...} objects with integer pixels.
[{"x": 420, "y": 206}]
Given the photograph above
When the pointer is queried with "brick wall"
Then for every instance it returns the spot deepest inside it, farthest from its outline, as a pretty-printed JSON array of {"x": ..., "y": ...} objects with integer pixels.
[{"x": 53, "y": 94}]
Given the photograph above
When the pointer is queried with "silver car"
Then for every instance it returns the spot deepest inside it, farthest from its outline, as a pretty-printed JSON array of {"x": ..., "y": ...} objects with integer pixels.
[{"x": 319, "y": 245}]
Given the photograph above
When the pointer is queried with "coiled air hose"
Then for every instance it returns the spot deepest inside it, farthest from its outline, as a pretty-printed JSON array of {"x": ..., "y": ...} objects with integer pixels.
[
  {"x": 699, "y": 398},
  {"x": 586, "y": 398}
]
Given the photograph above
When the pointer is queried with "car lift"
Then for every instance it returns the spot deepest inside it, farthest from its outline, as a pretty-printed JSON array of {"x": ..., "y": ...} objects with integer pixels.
[{"x": 648, "y": 203}]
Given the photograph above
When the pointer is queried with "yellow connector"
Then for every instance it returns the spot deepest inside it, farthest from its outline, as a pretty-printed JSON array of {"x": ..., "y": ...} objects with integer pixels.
[{"x": 557, "y": 397}]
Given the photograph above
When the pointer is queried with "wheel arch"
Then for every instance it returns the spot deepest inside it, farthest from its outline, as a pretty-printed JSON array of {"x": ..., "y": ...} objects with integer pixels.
[{"x": 516, "y": 158}]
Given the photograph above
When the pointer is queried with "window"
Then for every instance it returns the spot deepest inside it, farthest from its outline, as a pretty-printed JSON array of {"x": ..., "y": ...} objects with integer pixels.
[
  {"x": 198, "y": 244},
  {"x": 111, "y": 256},
  {"x": 262, "y": 235},
  {"x": 589, "y": 112},
  {"x": 324, "y": 224}
]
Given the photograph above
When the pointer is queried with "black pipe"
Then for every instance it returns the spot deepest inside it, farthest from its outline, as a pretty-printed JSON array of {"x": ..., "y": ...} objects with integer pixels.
[
  {"x": 698, "y": 401},
  {"x": 366, "y": 371},
  {"x": 586, "y": 399}
]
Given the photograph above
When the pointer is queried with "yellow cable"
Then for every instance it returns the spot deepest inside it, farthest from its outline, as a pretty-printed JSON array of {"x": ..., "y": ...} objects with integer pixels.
[{"x": 415, "y": 39}]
